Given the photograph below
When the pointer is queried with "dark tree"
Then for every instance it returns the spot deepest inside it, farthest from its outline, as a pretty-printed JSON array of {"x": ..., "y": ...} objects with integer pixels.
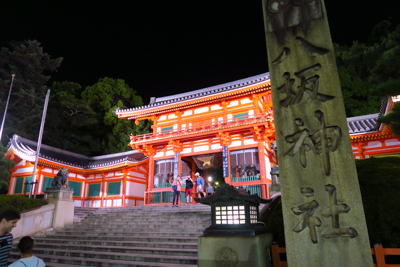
[{"x": 30, "y": 65}]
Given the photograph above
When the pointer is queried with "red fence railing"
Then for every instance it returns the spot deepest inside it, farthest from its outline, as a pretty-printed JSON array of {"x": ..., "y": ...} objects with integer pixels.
[
  {"x": 378, "y": 251},
  {"x": 201, "y": 126}
]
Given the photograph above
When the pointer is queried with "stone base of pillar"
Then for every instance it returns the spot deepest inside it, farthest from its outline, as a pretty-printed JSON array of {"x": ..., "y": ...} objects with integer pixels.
[
  {"x": 239, "y": 251},
  {"x": 64, "y": 210}
]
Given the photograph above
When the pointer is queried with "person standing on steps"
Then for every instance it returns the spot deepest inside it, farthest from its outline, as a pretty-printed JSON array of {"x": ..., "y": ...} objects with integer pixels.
[
  {"x": 8, "y": 220},
  {"x": 176, "y": 186},
  {"x": 200, "y": 185},
  {"x": 210, "y": 189},
  {"x": 189, "y": 189},
  {"x": 25, "y": 248}
]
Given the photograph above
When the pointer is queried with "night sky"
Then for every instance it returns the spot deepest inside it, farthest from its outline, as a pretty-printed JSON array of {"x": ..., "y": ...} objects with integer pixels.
[{"x": 166, "y": 47}]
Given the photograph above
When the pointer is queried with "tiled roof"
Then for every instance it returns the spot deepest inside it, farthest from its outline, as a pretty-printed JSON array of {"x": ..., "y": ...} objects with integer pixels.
[
  {"x": 208, "y": 91},
  {"x": 27, "y": 150},
  {"x": 363, "y": 124}
]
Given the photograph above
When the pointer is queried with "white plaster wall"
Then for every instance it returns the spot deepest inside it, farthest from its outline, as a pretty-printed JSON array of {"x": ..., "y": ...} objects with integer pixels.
[
  {"x": 236, "y": 143},
  {"x": 162, "y": 118},
  {"x": 142, "y": 169},
  {"x": 117, "y": 202},
  {"x": 169, "y": 153},
  {"x": 80, "y": 176},
  {"x": 373, "y": 144},
  {"x": 216, "y": 146},
  {"x": 110, "y": 174},
  {"x": 22, "y": 170},
  {"x": 129, "y": 202},
  {"x": 97, "y": 204},
  {"x": 88, "y": 203},
  {"x": 137, "y": 174},
  {"x": 108, "y": 203},
  {"x": 48, "y": 170},
  {"x": 186, "y": 150},
  {"x": 201, "y": 148},
  {"x": 233, "y": 104},
  {"x": 251, "y": 112},
  {"x": 187, "y": 113},
  {"x": 135, "y": 189},
  {"x": 245, "y": 101},
  {"x": 91, "y": 176},
  {"x": 172, "y": 116},
  {"x": 159, "y": 154},
  {"x": 78, "y": 203},
  {"x": 201, "y": 110},
  {"x": 99, "y": 176},
  {"x": 71, "y": 174},
  {"x": 392, "y": 142},
  {"x": 267, "y": 168},
  {"x": 230, "y": 116},
  {"x": 140, "y": 203},
  {"x": 249, "y": 142},
  {"x": 215, "y": 107}
]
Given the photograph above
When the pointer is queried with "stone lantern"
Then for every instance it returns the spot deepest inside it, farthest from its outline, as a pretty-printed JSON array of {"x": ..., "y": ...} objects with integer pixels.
[{"x": 234, "y": 228}]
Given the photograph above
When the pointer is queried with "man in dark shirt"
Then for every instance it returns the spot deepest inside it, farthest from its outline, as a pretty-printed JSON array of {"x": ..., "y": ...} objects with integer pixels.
[
  {"x": 189, "y": 189},
  {"x": 8, "y": 220}
]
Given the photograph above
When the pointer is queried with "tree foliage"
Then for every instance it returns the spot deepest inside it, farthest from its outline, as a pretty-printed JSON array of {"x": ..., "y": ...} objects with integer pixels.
[
  {"x": 30, "y": 65},
  {"x": 370, "y": 72},
  {"x": 5, "y": 166},
  {"x": 104, "y": 97},
  {"x": 392, "y": 119}
]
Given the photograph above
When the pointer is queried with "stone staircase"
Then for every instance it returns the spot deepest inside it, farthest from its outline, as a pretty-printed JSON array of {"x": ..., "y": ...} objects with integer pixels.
[{"x": 134, "y": 236}]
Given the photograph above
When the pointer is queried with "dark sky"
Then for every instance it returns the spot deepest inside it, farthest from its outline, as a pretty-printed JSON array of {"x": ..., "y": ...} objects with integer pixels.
[{"x": 170, "y": 46}]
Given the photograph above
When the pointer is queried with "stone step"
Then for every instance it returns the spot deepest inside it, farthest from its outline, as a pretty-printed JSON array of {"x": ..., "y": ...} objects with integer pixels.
[
  {"x": 143, "y": 226},
  {"x": 107, "y": 242},
  {"x": 141, "y": 221},
  {"x": 148, "y": 214},
  {"x": 103, "y": 232},
  {"x": 148, "y": 218},
  {"x": 69, "y": 261},
  {"x": 140, "y": 257},
  {"x": 182, "y": 239},
  {"x": 42, "y": 248}
]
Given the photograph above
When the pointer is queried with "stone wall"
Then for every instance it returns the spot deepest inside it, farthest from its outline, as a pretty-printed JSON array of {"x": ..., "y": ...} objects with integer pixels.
[{"x": 34, "y": 221}]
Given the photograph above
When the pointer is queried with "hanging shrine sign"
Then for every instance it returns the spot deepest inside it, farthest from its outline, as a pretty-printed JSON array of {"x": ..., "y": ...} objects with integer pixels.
[
  {"x": 225, "y": 162},
  {"x": 322, "y": 207}
]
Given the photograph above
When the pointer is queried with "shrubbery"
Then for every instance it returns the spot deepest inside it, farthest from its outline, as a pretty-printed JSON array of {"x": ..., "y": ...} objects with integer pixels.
[
  {"x": 379, "y": 180},
  {"x": 19, "y": 203}
]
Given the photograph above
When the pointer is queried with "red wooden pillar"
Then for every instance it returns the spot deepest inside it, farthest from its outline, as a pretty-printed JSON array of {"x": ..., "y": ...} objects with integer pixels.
[
  {"x": 263, "y": 174},
  {"x": 379, "y": 255},
  {"x": 11, "y": 183},
  {"x": 150, "y": 182},
  {"x": 125, "y": 172},
  {"x": 103, "y": 188}
]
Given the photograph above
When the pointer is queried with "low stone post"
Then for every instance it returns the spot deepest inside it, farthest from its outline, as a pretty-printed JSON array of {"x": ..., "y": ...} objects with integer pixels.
[
  {"x": 235, "y": 237},
  {"x": 64, "y": 210}
]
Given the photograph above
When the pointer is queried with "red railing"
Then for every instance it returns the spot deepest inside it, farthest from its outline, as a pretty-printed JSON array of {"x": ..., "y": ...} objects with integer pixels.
[
  {"x": 377, "y": 250},
  {"x": 201, "y": 126}
]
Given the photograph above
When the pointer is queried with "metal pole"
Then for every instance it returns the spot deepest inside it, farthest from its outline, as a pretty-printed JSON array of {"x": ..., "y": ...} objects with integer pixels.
[
  {"x": 5, "y": 111},
  {"x": 39, "y": 143}
]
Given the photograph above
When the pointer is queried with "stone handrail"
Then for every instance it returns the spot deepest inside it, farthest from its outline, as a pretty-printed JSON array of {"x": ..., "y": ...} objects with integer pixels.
[{"x": 34, "y": 221}]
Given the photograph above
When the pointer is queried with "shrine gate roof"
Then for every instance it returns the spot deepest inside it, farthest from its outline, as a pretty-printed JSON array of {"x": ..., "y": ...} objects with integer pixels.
[
  {"x": 26, "y": 149},
  {"x": 156, "y": 102},
  {"x": 363, "y": 124}
]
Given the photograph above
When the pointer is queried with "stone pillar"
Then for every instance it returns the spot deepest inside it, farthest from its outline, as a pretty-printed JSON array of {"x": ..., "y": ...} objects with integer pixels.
[
  {"x": 276, "y": 184},
  {"x": 64, "y": 210},
  {"x": 321, "y": 200}
]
